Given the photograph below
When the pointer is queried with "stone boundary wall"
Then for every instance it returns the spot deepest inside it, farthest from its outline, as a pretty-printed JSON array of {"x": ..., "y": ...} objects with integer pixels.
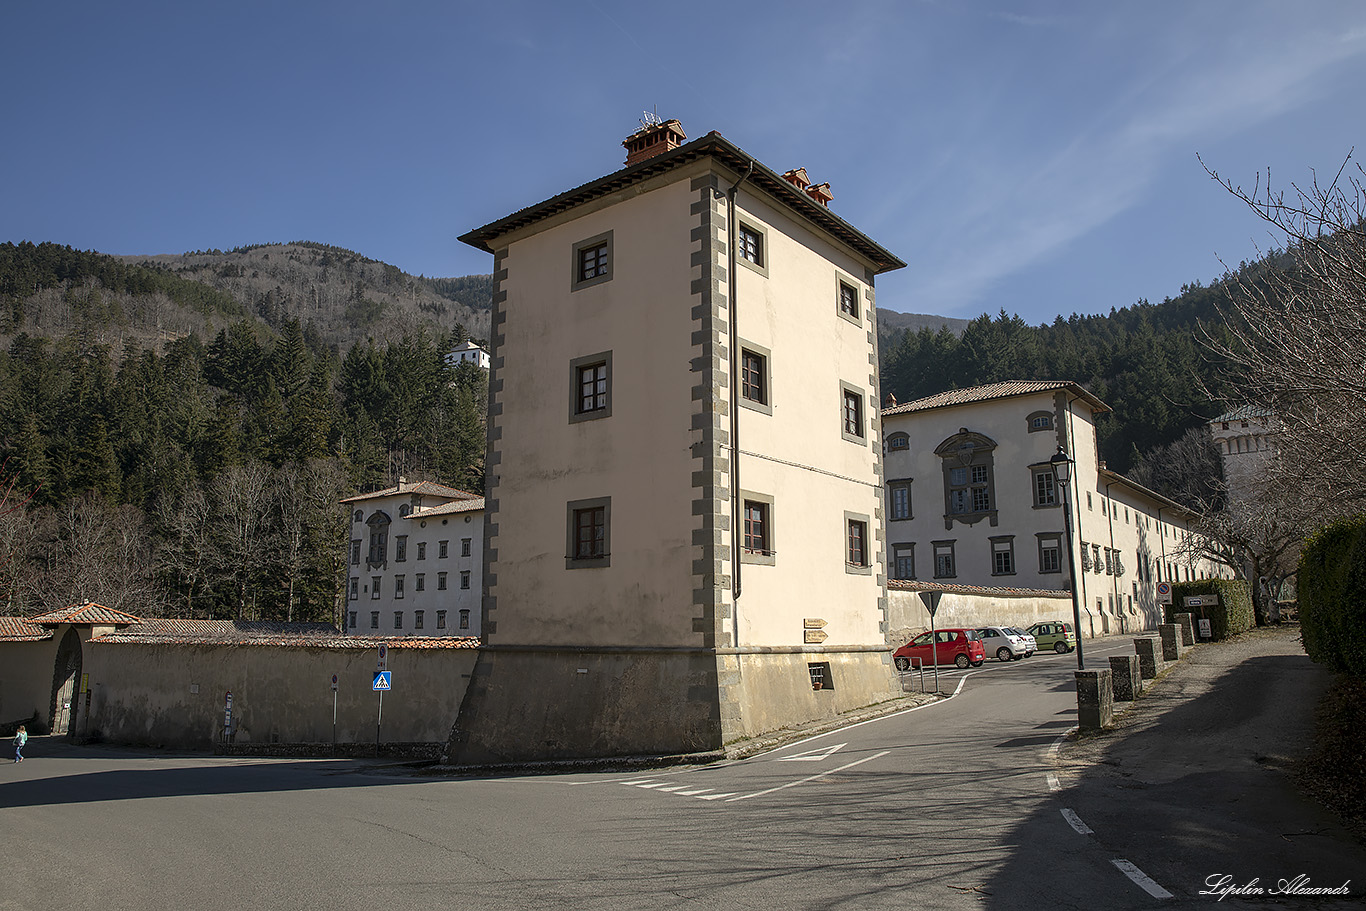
[
  {"x": 173, "y": 695},
  {"x": 907, "y": 616}
]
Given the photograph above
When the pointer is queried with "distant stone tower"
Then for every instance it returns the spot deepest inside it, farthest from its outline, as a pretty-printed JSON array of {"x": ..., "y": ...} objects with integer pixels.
[{"x": 1245, "y": 437}]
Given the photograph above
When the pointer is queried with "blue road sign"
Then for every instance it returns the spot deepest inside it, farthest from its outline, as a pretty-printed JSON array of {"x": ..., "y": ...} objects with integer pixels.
[{"x": 382, "y": 681}]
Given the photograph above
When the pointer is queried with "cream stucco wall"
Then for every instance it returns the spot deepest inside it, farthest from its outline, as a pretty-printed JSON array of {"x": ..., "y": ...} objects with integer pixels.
[{"x": 26, "y": 680}]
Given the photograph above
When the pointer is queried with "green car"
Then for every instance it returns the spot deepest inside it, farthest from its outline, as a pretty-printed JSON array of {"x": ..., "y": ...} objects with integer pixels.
[{"x": 1054, "y": 634}]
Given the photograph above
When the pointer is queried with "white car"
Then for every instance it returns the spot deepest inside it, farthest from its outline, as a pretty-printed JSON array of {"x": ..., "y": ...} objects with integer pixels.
[
  {"x": 1030, "y": 642},
  {"x": 1004, "y": 643}
]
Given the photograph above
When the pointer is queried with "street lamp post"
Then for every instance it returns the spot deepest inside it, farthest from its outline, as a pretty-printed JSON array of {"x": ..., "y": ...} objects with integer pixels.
[{"x": 1062, "y": 472}]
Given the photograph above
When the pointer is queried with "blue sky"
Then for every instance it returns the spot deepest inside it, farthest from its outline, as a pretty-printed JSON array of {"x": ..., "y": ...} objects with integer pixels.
[{"x": 1035, "y": 157}]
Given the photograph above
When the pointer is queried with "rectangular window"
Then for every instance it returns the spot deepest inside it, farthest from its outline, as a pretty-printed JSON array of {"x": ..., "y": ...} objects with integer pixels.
[
  {"x": 590, "y": 387},
  {"x": 355, "y": 588},
  {"x": 398, "y": 586},
  {"x": 750, "y": 245},
  {"x": 1088, "y": 500},
  {"x": 465, "y": 579},
  {"x": 351, "y": 620},
  {"x": 421, "y": 583},
  {"x": 417, "y": 619},
  {"x": 379, "y": 545},
  {"x": 945, "y": 567},
  {"x": 1045, "y": 488},
  {"x": 355, "y": 553},
  {"x": 981, "y": 499},
  {"x": 374, "y": 619},
  {"x": 441, "y": 582},
  {"x": 422, "y": 550},
  {"x": 1050, "y": 555},
  {"x": 899, "y": 500},
  {"x": 465, "y": 544},
  {"x": 1002, "y": 556},
  {"x": 756, "y": 527},
  {"x": 849, "y": 307},
  {"x": 851, "y": 414},
  {"x": 398, "y": 619},
  {"x": 588, "y": 533},
  {"x": 592, "y": 261},
  {"x": 464, "y": 619},
  {"x": 443, "y": 549},
  {"x": 374, "y": 588},
  {"x": 440, "y": 619},
  {"x": 858, "y": 557},
  {"x": 903, "y": 561},
  {"x": 754, "y": 377},
  {"x": 400, "y": 548}
]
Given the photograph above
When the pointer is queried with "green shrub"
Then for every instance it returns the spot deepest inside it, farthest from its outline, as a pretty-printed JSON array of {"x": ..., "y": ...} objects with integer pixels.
[
  {"x": 1332, "y": 588},
  {"x": 1229, "y": 617}
]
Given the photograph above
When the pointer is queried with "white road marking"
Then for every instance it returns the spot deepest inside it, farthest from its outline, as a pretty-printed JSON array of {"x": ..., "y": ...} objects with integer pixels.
[
  {"x": 1053, "y": 782},
  {"x": 1143, "y": 880},
  {"x": 694, "y": 793},
  {"x": 715, "y": 796},
  {"x": 1075, "y": 822},
  {"x": 674, "y": 787},
  {"x": 793, "y": 784},
  {"x": 652, "y": 784},
  {"x": 813, "y": 755}
]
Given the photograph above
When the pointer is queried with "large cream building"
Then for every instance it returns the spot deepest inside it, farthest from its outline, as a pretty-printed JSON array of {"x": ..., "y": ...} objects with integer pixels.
[
  {"x": 972, "y": 499},
  {"x": 684, "y": 372}
]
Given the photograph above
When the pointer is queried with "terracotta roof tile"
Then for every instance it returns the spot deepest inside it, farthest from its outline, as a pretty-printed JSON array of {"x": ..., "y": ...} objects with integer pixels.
[
  {"x": 427, "y": 488},
  {"x": 87, "y": 614},
  {"x": 992, "y": 391},
  {"x": 918, "y": 585},
  {"x": 454, "y": 506},
  {"x": 20, "y": 629},
  {"x": 297, "y": 635}
]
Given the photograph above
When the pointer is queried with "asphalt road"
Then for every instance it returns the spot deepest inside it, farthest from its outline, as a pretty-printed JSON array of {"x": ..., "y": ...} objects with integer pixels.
[{"x": 953, "y": 805}]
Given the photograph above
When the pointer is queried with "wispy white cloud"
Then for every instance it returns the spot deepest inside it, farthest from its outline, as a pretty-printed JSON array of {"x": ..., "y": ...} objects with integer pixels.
[{"x": 1017, "y": 210}]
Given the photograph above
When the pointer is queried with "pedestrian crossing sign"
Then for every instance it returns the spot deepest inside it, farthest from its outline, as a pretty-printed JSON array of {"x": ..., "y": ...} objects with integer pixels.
[{"x": 382, "y": 681}]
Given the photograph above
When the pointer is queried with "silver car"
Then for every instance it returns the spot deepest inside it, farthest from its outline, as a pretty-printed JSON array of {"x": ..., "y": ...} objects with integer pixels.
[
  {"x": 1031, "y": 644},
  {"x": 1004, "y": 643}
]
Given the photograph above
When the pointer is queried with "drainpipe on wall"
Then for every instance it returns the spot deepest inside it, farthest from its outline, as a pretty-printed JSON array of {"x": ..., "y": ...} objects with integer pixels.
[{"x": 737, "y": 526}]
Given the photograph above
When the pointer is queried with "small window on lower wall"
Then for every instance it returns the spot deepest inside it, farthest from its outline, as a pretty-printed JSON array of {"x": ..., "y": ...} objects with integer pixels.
[
  {"x": 857, "y": 557},
  {"x": 820, "y": 675}
]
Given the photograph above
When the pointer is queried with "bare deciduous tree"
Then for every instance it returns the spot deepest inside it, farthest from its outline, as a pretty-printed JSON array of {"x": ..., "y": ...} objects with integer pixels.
[
  {"x": 1296, "y": 336},
  {"x": 101, "y": 553}
]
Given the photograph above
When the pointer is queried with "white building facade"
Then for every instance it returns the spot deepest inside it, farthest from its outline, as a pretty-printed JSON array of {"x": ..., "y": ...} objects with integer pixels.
[
  {"x": 415, "y": 562},
  {"x": 468, "y": 353},
  {"x": 972, "y": 499}
]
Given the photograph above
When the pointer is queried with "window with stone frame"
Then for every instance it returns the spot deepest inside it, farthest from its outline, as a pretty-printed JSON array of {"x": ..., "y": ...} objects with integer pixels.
[
  {"x": 968, "y": 460},
  {"x": 899, "y": 500},
  {"x": 903, "y": 561},
  {"x": 378, "y": 556},
  {"x": 1003, "y": 556},
  {"x": 945, "y": 564},
  {"x": 1050, "y": 553},
  {"x": 1045, "y": 487}
]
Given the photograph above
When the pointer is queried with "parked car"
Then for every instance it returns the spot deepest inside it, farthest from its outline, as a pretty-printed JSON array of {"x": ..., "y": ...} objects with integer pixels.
[
  {"x": 1031, "y": 644},
  {"x": 950, "y": 646},
  {"x": 1054, "y": 634},
  {"x": 1004, "y": 643}
]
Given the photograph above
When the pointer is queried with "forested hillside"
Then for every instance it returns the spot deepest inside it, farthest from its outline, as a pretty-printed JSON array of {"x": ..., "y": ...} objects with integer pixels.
[{"x": 1145, "y": 361}]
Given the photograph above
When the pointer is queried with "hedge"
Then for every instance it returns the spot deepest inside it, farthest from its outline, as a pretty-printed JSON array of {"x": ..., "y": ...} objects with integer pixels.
[
  {"x": 1229, "y": 617},
  {"x": 1332, "y": 588}
]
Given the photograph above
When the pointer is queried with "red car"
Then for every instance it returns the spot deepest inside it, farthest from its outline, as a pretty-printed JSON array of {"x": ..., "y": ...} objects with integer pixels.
[{"x": 954, "y": 646}]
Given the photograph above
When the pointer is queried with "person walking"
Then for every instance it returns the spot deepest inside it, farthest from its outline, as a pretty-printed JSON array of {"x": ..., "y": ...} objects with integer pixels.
[{"x": 20, "y": 738}]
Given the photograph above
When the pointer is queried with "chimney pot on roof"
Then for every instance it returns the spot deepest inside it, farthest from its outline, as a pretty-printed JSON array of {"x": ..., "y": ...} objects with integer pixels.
[
  {"x": 797, "y": 177},
  {"x": 820, "y": 193},
  {"x": 653, "y": 139}
]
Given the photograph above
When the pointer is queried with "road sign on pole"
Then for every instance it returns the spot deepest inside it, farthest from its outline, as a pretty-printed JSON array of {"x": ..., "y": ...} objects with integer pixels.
[
  {"x": 383, "y": 663},
  {"x": 383, "y": 681},
  {"x": 1164, "y": 593}
]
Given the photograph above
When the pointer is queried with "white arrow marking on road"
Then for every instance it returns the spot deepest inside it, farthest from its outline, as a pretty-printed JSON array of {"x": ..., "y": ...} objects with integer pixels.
[
  {"x": 814, "y": 755},
  {"x": 792, "y": 784}
]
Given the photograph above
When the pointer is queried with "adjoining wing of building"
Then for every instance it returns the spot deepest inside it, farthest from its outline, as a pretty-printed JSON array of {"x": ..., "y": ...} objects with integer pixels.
[
  {"x": 683, "y": 491},
  {"x": 415, "y": 563},
  {"x": 972, "y": 499}
]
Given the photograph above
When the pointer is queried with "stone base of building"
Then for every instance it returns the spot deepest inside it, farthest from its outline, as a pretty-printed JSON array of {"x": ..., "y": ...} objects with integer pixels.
[{"x": 542, "y": 705}]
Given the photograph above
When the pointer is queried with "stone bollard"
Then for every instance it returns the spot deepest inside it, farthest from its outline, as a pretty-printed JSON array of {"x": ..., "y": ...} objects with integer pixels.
[
  {"x": 1149, "y": 651},
  {"x": 1095, "y": 700},
  {"x": 1128, "y": 682},
  {"x": 1171, "y": 641},
  {"x": 1187, "y": 622}
]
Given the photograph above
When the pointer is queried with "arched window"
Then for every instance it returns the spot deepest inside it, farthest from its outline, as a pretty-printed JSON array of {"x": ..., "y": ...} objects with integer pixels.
[
  {"x": 969, "y": 477},
  {"x": 1040, "y": 420},
  {"x": 898, "y": 441},
  {"x": 379, "y": 540}
]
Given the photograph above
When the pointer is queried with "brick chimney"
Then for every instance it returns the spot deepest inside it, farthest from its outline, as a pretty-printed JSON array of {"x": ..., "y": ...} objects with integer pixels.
[
  {"x": 820, "y": 193},
  {"x": 797, "y": 177},
  {"x": 653, "y": 139}
]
